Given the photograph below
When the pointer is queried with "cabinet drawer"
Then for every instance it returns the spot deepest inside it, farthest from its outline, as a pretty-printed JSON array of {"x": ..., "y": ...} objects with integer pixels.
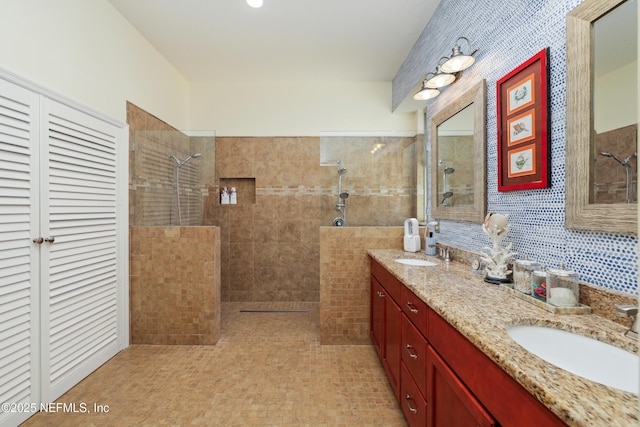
[
  {"x": 387, "y": 280},
  {"x": 413, "y": 404},
  {"x": 414, "y": 354},
  {"x": 415, "y": 309}
]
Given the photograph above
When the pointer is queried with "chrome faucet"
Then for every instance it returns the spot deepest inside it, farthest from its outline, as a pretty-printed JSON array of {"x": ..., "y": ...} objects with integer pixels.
[{"x": 630, "y": 311}]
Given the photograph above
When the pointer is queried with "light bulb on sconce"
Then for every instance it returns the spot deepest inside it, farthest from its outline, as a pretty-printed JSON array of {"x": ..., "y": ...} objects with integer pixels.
[
  {"x": 458, "y": 61},
  {"x": 440, "y": 78},
  {"x": 426, "y": 92}
]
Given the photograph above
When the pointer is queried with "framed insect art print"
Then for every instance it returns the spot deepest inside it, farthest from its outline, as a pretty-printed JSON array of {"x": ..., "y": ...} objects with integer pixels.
[{"x": 523, "y": 127}]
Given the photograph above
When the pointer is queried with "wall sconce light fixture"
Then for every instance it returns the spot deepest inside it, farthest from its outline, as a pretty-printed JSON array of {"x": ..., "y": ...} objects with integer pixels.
[
  {"x": 447, "y": 71},
  {"x": 426, "y": 92},
  {"x": 458, "y": 61}
]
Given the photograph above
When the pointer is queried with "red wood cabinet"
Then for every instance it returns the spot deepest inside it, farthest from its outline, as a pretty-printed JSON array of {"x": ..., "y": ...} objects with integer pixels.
[
  {"x": 439, "y": 377},
  {"x": 385, "y": 330},
  {"x": 450, "y": 401},
  {"x": 509, "y": 403}
]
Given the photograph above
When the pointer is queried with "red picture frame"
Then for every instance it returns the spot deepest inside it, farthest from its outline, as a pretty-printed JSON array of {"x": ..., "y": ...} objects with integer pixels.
[{"x": 523, "y": 126}]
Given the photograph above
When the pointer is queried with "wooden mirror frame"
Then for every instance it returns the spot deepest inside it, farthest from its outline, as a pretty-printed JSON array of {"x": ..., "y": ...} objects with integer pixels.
[
  {"x": 476, "y": 212},
  {"x": 579, "y": 213}
]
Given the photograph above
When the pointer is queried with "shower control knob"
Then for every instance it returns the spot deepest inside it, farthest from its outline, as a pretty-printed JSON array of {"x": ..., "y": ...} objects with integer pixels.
[
  {"x": 38, "y": 240},
  {"x": 50, "y": 239}
]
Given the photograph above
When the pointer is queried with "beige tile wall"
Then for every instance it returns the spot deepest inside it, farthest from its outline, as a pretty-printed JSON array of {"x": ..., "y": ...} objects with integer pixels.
[
  {"x": 174, "y": 285},
  {"x": 344, "y": 280},
  {"x": 454, "y": 150},
  {"x": 269, "y": 240},
  {"x": 381, "y": 182},
  {"x": 174, "y": 271}
]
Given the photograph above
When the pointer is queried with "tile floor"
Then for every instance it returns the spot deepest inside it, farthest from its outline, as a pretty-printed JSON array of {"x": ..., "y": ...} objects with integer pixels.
[{"x": 268, "y": 369}]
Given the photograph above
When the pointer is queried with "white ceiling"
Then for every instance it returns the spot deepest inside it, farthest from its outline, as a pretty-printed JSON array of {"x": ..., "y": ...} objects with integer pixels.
[{"x": 302, "y": 40}]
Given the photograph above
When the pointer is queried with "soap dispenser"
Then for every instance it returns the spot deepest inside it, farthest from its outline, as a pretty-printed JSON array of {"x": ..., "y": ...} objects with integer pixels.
[
  {"x": 429, "y": 240},
  {"x": 411, "y": 235}
]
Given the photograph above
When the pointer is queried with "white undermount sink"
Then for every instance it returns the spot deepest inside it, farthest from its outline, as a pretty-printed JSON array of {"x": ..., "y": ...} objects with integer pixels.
[
  {"x": 589, "y": 358},
  {"x": 419, "y": 262}
]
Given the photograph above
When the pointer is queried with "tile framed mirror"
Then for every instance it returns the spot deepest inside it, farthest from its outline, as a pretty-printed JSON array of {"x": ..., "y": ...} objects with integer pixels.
[
  {"x": 602, "y": 117},
  {"x": 458, "y": 157}
]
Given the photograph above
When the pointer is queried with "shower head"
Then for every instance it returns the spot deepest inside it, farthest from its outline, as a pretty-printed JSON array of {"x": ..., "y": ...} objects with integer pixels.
[
  {"x": 445, "y": 196},
  {"x": 629, "y": 157},
  {"x": 449, "y": 170},
  {"x": 189, "y": 157},
  {"x": 341, "y": 170},
  {"x": 344, "y": 195},
  {"x": 613, "y": 156}
]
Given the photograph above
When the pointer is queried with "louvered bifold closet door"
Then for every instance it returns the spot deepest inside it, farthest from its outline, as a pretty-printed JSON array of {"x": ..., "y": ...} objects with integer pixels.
[
  {"x": 19, "y": 255},
  {"x": 79, "y": 269}
]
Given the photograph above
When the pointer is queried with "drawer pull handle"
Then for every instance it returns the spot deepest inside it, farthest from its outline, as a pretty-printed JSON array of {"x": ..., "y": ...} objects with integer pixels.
[
  {"x": 408, "y": 399},
  {"x": 411, "y": 308},
  {"x": 412, "y": 354},
  {"x": 380, "y": 294}
]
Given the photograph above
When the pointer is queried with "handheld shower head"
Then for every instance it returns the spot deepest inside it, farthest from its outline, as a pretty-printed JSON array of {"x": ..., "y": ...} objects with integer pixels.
[
  {"x": 189, "y": 157},
  {"x": 449, "y": 170},
  {"x": 613, "y": 156}
]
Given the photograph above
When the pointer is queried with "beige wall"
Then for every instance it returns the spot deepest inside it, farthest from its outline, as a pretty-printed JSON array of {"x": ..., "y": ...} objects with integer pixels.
[
  {"x": 87, "y": 51},
  {"x": 266, "y": 108}
]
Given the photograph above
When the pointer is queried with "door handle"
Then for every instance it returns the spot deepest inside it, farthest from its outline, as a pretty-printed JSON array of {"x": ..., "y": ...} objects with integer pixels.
[
  {"x": 50, "y": 239},
  {"x": 38, "y": 240}
]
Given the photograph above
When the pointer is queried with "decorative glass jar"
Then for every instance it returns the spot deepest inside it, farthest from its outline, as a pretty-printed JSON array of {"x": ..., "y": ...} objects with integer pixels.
[
  {"x": 539, "y": 285},
  {"x": 563, "y": 288},
  {"x": 522, "y": 270}
]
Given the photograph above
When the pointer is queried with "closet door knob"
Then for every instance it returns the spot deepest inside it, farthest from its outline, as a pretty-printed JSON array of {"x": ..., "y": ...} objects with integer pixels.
[
  {"x": 50, "y": 239},
  {"x": 38, "y": 240}
]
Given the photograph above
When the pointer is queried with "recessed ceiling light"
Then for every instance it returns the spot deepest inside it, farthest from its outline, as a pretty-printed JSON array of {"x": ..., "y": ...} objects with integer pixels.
[{"x": 254, "y": 3}]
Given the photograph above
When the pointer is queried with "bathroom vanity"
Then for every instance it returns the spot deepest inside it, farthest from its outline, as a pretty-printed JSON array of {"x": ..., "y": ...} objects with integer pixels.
[{"x": 441, "y": 334}]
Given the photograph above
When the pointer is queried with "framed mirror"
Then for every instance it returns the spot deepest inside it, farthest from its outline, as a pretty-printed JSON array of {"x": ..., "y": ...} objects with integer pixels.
[
  {"x": 602, "y": 117},
  {"x": 458, "y": 158}
]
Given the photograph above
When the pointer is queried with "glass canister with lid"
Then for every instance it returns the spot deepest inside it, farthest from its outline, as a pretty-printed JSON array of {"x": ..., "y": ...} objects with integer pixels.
[
  {"x": 563, "y": 288},
  {"x": 522, "y": 270},
  {"x": 539, "y": 285}
]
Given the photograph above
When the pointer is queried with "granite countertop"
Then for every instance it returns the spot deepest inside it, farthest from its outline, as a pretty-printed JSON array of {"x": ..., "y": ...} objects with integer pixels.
[{"x": 481, "y": 312}]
